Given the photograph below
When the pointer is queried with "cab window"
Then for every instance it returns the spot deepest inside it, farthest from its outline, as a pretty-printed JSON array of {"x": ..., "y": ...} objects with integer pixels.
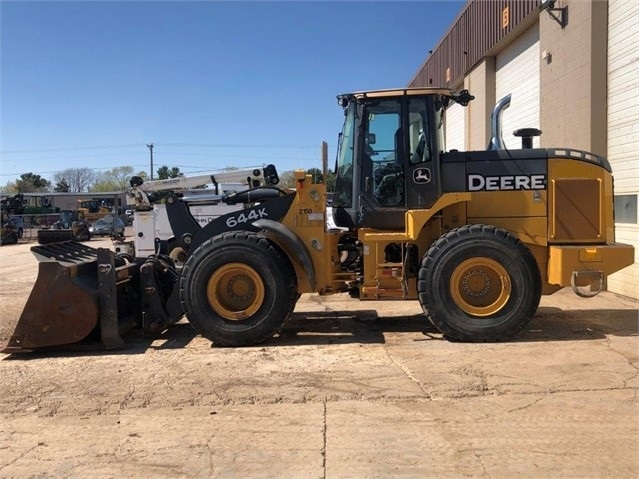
[
  {"x": 383, "y": 148},
  {"x": 418, "y": 132}
]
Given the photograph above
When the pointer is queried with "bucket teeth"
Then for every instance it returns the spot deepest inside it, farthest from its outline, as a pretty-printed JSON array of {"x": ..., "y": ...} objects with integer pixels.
[{"x": 67, "y": 252}]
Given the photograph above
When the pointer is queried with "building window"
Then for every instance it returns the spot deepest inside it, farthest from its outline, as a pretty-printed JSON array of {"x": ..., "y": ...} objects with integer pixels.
[{"x": 626, "y": 209}]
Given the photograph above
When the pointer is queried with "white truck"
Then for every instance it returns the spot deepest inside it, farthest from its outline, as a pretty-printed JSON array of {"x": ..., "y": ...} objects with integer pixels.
[
  {"x": 150, "y": 221},
  {"x": 154, "y": 224}
]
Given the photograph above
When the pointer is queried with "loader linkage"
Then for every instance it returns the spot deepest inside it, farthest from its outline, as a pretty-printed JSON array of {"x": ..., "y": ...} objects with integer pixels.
[{"x": 84, "y": 293}]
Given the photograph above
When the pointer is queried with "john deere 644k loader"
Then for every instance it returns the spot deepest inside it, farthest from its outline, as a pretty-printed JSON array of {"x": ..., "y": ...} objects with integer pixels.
[{"x": 475, "y": 236}]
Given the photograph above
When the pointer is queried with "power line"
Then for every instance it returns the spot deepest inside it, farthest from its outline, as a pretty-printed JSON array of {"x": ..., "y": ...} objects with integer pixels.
[
  {"x": 68, "y": 148},
  {"x": 102, "y": 168},
  {"x": 232, "y": 145},
  {"x": 169, "y": 145}
]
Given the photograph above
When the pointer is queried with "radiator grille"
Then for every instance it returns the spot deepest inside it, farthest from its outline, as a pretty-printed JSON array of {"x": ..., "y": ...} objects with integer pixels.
[{"x": 576, "y": 210}]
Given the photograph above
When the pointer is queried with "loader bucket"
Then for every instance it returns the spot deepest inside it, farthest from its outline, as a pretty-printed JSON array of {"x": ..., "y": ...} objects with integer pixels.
[{"x": 74, "y": 297}]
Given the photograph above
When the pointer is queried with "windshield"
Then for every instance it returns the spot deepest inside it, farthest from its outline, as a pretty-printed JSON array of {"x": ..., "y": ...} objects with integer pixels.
[{"x": 345, "y": 154}]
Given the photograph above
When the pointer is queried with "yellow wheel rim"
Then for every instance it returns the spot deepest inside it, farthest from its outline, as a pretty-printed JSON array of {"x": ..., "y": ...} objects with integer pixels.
[
  {"x": 480, "y": 286},
  {"x": 235, "y": 291}
]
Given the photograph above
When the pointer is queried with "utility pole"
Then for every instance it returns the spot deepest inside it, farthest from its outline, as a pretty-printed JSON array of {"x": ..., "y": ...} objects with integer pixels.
[{"x": 150, "y": 146}]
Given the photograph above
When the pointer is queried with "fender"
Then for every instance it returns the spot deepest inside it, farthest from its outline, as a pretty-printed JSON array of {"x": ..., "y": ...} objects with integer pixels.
[
  {"x": 292, "y": 244},
  {"x": 274, "y": 209}
]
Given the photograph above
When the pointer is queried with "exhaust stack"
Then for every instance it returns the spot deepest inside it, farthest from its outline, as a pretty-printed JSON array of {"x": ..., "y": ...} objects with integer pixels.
[{"x": 496, "y": 141}]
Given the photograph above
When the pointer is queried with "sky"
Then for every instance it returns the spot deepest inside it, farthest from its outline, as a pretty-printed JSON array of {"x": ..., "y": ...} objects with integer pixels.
[{"x": 209, "y": 84}]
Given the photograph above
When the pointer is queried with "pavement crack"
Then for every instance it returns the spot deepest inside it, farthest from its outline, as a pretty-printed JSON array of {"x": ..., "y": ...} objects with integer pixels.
[
  {"x": 532, "y": 403},
  {"x": 481, "y": 463},
  {"x": 21, "y": 455},
  {"x": 407, "y": 373},
  {"x": 630, "y": 359},
  {"x": 324, "y": 445}
]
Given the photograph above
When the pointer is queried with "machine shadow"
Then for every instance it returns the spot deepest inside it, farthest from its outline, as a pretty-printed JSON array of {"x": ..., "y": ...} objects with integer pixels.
[
  {"x": 135, "y": 342},
  {"x": 548, "y": 324},
  {"x": 367, "y": 327},
  {"x": 345, "y": 327},
  {"x": 556, "y": 324}
]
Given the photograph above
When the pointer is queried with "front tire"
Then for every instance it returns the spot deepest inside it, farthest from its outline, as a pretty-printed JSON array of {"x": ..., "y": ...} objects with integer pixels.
[
  {"x": 238, "y": 289},
  {"x": 479, "y": 283}
]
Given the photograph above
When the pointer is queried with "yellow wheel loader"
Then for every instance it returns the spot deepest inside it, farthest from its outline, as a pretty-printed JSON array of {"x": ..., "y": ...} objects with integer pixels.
[{"x": 475, "y": 236}]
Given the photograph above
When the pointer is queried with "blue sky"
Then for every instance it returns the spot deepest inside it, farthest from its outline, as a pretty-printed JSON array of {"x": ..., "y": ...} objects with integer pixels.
[{"x": 211, "y": 84}]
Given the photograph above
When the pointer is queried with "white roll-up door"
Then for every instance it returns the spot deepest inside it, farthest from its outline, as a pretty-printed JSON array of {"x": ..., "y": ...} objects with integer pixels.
[
  {"x": 455, "y": 128},
  {"x": 623, "y": 132},
  {"x": 517, "y": 73}
]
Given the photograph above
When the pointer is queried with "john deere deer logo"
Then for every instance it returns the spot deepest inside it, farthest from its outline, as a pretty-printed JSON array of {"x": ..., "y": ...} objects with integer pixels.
[{"x": 422, "y": 175}]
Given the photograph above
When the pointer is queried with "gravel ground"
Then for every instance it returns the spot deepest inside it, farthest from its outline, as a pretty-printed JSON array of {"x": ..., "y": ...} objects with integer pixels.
[{"x": 348, "y": 389}]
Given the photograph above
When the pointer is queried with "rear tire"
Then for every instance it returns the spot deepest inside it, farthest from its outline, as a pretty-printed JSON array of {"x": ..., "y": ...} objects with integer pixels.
[
  {"x": 479, "y": 283},
  {"x": 238, "y": 289}
]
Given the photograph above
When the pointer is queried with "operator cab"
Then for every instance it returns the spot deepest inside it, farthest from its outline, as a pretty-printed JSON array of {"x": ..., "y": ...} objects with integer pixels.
[{"x": 388, "y": 158}]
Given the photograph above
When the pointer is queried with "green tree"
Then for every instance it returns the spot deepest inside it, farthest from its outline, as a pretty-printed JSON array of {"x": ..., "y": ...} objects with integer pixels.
[
  {"x": 115, "y": 179},
  {"x": 164, "y": 172},
  {"x": 316, "y": 174},
  {"x": 62, "y": 186},
  {"x": 32, "y": 183}
]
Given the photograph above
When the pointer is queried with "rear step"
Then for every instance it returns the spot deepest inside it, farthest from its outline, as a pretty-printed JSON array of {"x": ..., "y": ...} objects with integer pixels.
[{"x": 83, "y": 292}]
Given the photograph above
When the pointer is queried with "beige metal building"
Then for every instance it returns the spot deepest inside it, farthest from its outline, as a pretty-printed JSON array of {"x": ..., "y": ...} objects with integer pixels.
[{"x": 572, "y": 68}]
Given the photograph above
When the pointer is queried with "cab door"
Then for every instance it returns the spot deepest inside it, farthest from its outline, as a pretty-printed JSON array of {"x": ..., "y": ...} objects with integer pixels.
[
  {"x": 382, "y": 202},
  {"x": 400, "y": 148},
  {"x": 425, "y": 145}
]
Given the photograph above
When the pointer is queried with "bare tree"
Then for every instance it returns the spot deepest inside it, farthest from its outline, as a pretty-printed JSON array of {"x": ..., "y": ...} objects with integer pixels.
[
  {"x": 115, "y": 179},
  {"x": 78, "y": 179}
]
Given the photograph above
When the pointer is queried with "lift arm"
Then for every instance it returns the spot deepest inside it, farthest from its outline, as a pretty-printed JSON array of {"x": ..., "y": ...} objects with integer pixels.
[{"x": 138, "y": 194}]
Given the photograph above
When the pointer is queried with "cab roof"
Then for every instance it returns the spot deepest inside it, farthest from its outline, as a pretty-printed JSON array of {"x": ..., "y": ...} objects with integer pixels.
[
  {"x": 400, "y": 92},
  {"x": 462, "y": 97}
]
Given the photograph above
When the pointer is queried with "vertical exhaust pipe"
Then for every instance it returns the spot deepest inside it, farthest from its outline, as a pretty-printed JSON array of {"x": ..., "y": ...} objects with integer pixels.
[{"x": 496, "y": 141}]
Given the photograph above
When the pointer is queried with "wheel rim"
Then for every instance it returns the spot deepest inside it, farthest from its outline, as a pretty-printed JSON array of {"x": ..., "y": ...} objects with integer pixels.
[
  {"x": 480, "y": 286},
  {"x": 235, "y": 291}
]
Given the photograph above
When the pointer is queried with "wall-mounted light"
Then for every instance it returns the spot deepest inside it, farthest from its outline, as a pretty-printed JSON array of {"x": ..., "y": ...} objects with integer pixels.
[{"x": 559, "y": 14}]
